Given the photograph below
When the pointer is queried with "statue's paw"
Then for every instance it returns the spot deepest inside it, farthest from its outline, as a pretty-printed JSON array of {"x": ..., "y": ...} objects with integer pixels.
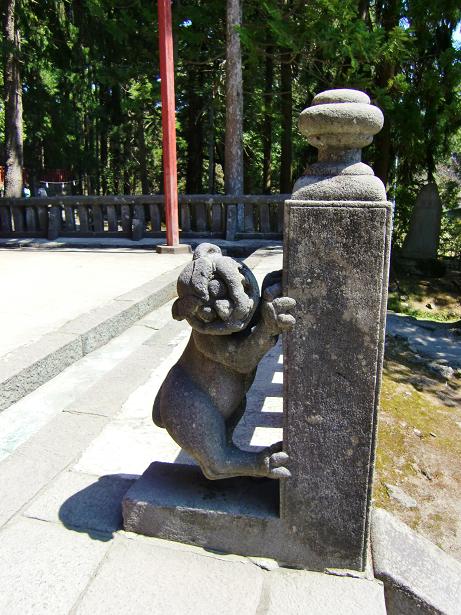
[
  {"x": 276, "y": 463},
  {"x": 276, "y": 314}
]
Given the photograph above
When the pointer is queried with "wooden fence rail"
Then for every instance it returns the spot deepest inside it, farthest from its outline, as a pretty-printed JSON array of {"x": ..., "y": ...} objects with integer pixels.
[{"x": 140, "y": 216}]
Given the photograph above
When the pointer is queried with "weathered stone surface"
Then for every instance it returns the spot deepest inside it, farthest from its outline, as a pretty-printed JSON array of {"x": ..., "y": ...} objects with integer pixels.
[
  {"x": 312, "y": 593},
  {"x": 419, "y": 578},
  {"x": 137, "y": 229},
  {"x": 336, "y": 270},
  {"x": 336, "y": 263},
  {"x": 204, "y": 395},
  {"x": 96, "y": 328},
  {"x": 139, "y": 576},
  {"x": 336, "y": 267},
  {"x": 54, "y": 222},
  {"x": 339, "y": 123},
  {"x": 422, "y": 240},
  {"x": 180, "y": 248},
  {"x": 434, "y": 340},
  {"x": 238, "y": 515},
  {"x": 85, "y": 503},
  {"x": 44, "y": 567},
  {"x": 26, "y": 368}
]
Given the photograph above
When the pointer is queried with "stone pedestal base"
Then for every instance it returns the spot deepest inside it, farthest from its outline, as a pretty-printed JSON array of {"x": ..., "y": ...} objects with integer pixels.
[
  {"x": 180, "y": 248},
  {"x": 239, "y": 515}
]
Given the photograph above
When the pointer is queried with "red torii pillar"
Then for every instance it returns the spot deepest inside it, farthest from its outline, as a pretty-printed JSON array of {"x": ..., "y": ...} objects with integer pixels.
[{"x": 169, "y": 130}]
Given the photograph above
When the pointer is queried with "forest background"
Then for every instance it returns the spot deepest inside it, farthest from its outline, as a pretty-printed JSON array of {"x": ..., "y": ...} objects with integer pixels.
[{"x": 89, "y": 78}]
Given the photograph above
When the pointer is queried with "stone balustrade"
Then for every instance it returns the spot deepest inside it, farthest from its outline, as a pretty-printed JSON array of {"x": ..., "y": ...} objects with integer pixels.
[{"x": 138, "y": 216}]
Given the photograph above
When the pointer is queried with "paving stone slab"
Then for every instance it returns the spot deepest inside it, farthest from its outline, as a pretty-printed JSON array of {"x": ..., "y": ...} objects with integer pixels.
[
  {"x": 42, "y": 458},
  {"x": 311, "y": 593},
  {"x": 419, "y": 578},
  {"x": 108, "y": 393},
  {"x": 44, "y": 567},
  {"x": 142, "y": 578},
  {"x": 85, "y": 503}
]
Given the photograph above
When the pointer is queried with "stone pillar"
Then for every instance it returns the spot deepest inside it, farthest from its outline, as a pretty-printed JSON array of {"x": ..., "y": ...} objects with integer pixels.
[
  {"x": 337, "y": 234},
  {"x": 422, "y": 240}
]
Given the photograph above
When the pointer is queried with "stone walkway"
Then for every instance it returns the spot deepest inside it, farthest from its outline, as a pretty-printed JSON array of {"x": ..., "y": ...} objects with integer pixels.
[
  {"x": 435, "y": 340},
  {"x": 43, "y": 289},
  {"x": 71, "y": 449}
]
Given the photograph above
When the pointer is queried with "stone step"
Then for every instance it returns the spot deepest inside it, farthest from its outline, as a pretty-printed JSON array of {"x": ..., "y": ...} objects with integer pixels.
[
  {"x": 36, "y": 449},
  {"x": 28, "y": 367}
]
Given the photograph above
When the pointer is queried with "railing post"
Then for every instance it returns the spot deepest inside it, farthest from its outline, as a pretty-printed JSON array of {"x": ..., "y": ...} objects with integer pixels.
[
  {"x": 5, "y": 220},
  {"x": 54, "y": 222},
  {"x": 336, "y": 253}
]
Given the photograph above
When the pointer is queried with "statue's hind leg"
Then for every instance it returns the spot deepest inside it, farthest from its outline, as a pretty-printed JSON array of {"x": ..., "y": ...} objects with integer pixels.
[
  {"x": 233, "y": 421},
  {"x": 195, "y": 423}
]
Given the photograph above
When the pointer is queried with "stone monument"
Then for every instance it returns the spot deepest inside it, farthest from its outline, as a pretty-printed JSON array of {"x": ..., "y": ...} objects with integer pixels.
[
  {"x": 204, "y": 395},
  {"x": 422, "y": 240},
  {"x": 337, "y": 234}
]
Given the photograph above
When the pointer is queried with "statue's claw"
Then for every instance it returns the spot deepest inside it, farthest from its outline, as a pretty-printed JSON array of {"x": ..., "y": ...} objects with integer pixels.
[
  {"x": 280, "y": 473},
  {"x": 276, "y": 461}
]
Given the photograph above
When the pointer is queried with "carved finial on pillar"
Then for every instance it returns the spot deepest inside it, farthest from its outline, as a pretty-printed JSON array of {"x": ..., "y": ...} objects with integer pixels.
[{"x": 339, "y": 123}]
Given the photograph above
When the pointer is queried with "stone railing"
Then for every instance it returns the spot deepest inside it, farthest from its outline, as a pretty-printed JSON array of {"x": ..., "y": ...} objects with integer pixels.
[{"x": 140, "y": 216}]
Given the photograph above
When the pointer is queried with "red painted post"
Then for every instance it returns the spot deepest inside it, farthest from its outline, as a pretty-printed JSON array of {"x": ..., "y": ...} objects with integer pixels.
[{"x": 168, "y": 121}]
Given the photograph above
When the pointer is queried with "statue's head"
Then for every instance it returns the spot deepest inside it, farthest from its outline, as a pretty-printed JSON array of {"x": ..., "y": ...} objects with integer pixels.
[{"x": 216, "y": 294}]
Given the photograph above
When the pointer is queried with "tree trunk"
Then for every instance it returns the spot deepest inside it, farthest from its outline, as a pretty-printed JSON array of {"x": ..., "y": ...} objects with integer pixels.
[
  {"x": 364, "y": 11},
  {"x": 145, "y": 189},
  {"x": 127, "y": 188},
  {"x": 385, "y": 71},
  {"x": 233, "y": 156},
  {"x": 115, "y": 144},
  {"x": 194, "y": 184},
  {"x": 267, "y": 121},
  {"x": 13, "y": 105},
  {"x": 211, "y": 146},
  {"x": 103, "y": 139},
  {"x": 286, "y": 104}
]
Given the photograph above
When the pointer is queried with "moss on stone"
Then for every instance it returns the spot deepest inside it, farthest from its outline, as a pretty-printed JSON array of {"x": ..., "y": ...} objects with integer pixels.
[{"x": 419, "y": 447}]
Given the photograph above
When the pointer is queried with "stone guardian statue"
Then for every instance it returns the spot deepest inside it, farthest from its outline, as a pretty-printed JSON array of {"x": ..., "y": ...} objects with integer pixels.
[{"x": 203, "y": 396}]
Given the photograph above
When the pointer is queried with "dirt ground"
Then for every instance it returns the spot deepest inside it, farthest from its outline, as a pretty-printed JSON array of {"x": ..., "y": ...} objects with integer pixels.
[
  {"x": 419, "y": 447},
  {"x": 431, "y": 298}
]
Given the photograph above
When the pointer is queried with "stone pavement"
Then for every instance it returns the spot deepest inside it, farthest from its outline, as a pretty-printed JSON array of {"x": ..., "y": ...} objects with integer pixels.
[
  {"x": 72, "y": 448},
  {"x": 43, "y": 289},
  {"x": 439, "y": 341}
]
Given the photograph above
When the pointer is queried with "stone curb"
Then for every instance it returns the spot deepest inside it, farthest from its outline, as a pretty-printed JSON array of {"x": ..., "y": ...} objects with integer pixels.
[
  {"x": 25, "y": 369},
  {"x": 239, "y": 247},
  {"x": 419, "y": 578}
]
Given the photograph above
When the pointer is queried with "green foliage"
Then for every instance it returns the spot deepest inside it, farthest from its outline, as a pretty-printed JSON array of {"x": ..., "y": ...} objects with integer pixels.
[{"x": 92, "y": 94}]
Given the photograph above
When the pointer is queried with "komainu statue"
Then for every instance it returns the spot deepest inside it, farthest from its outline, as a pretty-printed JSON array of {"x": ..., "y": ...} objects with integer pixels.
[{"x": 204, "y": 395}]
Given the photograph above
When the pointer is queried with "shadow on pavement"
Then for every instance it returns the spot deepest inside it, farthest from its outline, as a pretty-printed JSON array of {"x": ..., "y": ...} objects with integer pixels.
[{"x": 96, "y": 510}]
